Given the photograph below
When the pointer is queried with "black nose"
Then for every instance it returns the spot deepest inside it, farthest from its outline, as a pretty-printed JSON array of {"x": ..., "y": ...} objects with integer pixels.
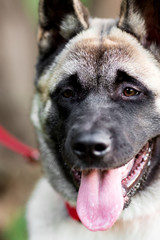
[{"x": 91, "y": 145}]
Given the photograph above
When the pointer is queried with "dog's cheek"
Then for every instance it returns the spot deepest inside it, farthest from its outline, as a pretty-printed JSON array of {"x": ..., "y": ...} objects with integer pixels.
[
  {"x": 49, "y": 131},
  {"x": 157, "y": 105},
  {"x": 54, "y": 124}
]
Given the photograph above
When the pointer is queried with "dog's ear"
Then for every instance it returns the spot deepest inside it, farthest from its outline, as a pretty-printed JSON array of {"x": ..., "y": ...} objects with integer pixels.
[
  {"x": 59, "y": 20},
  {"x": 142, "y": 19}
]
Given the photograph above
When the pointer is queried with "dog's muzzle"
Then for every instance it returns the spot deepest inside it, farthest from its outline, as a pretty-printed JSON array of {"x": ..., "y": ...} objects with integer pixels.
[{"x": 103, "y": 180}]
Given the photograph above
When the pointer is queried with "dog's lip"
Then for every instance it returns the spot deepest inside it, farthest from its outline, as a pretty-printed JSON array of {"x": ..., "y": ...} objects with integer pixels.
[
  {"x": 137, "y": 166},
  {"x": 131, "y": 172}
]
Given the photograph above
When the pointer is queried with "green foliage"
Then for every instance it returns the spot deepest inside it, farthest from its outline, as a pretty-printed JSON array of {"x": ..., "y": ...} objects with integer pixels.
[
  {"x": 86, "y": 2},
  {"x": 17, "y": 230},
  {"x": 32, "y": 6}
]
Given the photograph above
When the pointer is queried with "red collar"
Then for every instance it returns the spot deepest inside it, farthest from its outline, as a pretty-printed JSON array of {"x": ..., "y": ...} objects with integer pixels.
[{"x": 72, "y": 212}]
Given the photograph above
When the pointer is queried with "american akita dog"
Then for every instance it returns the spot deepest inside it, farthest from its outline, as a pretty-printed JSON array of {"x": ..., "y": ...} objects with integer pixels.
[{"x": 97, "y": 115}]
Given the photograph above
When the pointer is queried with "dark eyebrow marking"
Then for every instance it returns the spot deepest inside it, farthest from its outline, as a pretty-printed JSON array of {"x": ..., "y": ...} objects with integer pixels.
[
  {"x": 122, "y": 77},
  {"x": 67, "y": 81}
]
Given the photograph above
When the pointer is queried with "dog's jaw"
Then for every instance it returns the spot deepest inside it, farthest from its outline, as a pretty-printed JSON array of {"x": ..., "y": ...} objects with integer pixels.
[{"x": 99, "y": 213}]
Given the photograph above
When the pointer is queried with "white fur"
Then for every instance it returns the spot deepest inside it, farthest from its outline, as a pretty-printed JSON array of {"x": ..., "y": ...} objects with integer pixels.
[
  {"x": 68, "y": 25},
  {"x": 48, "y": 219}
]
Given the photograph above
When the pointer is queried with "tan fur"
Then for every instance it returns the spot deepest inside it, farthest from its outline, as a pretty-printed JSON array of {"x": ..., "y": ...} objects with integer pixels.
[
  {"x": 82, "y": 13},
  {"x": 134, "y": 19}
]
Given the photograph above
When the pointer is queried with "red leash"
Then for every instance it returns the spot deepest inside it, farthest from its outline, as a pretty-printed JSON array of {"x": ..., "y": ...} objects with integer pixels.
[
  {"x": 9, "y": 141},
  {"x": 32, "y": 155}
]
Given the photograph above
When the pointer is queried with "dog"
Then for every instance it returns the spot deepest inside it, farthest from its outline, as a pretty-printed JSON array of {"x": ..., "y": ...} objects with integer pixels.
[{"x": 96, "y": 111}]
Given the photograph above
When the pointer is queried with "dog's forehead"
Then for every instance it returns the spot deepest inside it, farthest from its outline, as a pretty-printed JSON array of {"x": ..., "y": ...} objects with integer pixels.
[
  {"x": 104, "y": 56},
  {"x": 100, "y": 53}
]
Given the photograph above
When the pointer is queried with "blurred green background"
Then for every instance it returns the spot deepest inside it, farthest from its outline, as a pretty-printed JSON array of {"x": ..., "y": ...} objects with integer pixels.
[
  {"x": 18, "y": 24},
  {"x": 32, "y": 6}
]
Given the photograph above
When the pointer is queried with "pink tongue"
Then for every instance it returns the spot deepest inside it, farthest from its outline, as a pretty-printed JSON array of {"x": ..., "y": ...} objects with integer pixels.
[{"x": 100, "y": 199}]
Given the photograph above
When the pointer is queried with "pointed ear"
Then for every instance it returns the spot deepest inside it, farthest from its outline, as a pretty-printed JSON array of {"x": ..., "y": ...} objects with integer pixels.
[
  {"x": 142, "y": 19},
  {"x": 59, "y": 20}
]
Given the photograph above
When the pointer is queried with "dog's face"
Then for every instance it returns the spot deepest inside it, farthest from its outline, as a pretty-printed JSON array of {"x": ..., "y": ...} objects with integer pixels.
[{"x": 97, "y": 105}]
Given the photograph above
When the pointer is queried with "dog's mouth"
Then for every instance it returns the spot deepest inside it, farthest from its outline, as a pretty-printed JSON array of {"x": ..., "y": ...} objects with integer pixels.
[{"x": 103, "y": 194}]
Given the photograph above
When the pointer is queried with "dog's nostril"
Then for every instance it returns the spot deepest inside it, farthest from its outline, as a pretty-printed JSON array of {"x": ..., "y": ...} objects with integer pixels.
[
  {"x": 100, "y": 147},
  {"x": 79, "y": 149},
  {"x": 99, "y": 150},
  {"x": 90, "y": 149}
]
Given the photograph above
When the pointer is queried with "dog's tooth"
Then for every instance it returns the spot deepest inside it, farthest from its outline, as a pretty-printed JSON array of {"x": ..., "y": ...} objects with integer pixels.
[
  {"x": 149, "y": 163},
  {"x": 145, "y": 157},
  {"x": 124, "y": 192},
  {"x": 137, "y": 185}
]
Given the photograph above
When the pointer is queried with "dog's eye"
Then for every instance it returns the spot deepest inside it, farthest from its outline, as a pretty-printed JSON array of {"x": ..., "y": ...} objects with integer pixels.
[
  {"x": 68, "y": 93},
  {"x": 130, "y": 92}
]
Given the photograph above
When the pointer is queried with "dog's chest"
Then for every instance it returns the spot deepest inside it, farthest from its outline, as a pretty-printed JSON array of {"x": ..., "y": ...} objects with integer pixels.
[
  {"x": 138, "y": 230},
  {"x": 48, "y": 219}
]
